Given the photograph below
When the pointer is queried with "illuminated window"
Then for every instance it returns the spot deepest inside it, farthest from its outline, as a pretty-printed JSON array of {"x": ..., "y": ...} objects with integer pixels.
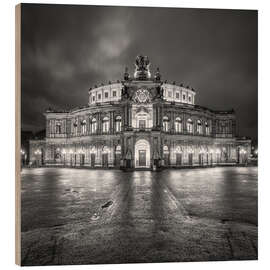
[
  {"x": 83, "y": 126},
  {"x": 169, "y": 94},
  {"x": 165, "y": 124},
  {"x": 93, "y": 125},
  {"x": 106, "y": 94},
  {"x": 177, "y": 95},
  {"x": 105, "y": 124},
  {"x": 207, "y": 129},
  {"x": 189, "y": 126},
  {"x": 118, "y": 123},
  {"x": 58, "y": 128},
  {"x": 178, "y": 125},
  {"x": 93, "y": 98},
  {"x": 184, "y": 97},
  {"x": 189, "y": 99},
  {"x": 199, "y": 126},
  {"x": 114, "y": 93}
]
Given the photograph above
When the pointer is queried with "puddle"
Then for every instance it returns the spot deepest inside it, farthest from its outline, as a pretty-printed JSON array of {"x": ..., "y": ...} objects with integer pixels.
[{"x": 107, "y": 204}]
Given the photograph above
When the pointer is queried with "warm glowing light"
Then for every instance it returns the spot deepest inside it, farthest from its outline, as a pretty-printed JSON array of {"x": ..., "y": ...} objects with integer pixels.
[
  {"x": 37, "y": 152},
  {"x": 63, "y": 151},
  {"x": 71, "y": 151}
]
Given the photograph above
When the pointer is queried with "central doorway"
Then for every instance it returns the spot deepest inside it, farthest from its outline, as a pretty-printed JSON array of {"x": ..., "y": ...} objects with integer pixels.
[
  {"x": 142, "y": 154},
  {"x": 142, "y": 158}
]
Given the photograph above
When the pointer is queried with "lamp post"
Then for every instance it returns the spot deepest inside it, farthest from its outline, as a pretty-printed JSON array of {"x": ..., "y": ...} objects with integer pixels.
[
  {"x": 70, "y": 152},
  {"x": 23, "y": 157},
  {"x": 243, "y": 155},
  {"x": 218, "y": 155},
  {"x": 38, "y": 153},
  {"x": 64, "y": 154}
]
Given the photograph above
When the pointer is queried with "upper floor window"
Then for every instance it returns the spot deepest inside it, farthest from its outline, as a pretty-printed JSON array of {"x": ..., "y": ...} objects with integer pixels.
[
  {"x": 93, "y": 125},
  {"x": 106, "y": 94},
  {"x": 165, "y": 124},
  {"x": 118, "y": 123},
  {"x": 177, "y": 95},
  {"x": 83, "y": 126},
  {"x": 105, "y": 124},
  {"x": 199, "y": 126},
  {"x": 184, "y": 97},
  {"x": 207, "y": 128},
  {"x": 114, "y": 93},
  {"x": 58, "y": 128},
  {"x": 178, "y": 125},
  {"x": 169, "y": 94},
  {"x": 189, "y": 99},
  {"x": 189, "y": 126}
]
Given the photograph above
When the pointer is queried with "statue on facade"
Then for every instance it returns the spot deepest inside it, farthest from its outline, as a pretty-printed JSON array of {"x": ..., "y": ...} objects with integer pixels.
[
  {"x": 157, "y": 75},
  {"x": 142, "y": 70},
  {"x": 126, "y": 74}
]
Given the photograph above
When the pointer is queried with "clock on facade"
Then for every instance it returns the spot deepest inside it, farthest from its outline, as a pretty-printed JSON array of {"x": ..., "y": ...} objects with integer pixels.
[{"x": 142, "y": 96}]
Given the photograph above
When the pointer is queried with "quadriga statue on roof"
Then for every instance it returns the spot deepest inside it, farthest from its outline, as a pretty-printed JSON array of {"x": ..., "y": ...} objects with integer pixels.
[{"x": 142, "y": 71}]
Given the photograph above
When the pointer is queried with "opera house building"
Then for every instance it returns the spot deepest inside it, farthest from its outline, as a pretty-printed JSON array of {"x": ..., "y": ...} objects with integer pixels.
[{"x": 141, "y": 122}]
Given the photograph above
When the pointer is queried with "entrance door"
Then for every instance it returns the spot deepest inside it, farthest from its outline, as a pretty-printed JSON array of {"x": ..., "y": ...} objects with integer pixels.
[
  {"x": 93, "y": 160},
  {"x": 117, "y": 160},
  {"x": 166, "y": 159},
  {"x": 201, "y": 159},
  {"x": 178, "y": 159},
  {"x": 142, "y": 154},
  {"x": 142, "y": 158},
  {"x": 105, "y": 160},
  {"x": 82, "y": 158}
]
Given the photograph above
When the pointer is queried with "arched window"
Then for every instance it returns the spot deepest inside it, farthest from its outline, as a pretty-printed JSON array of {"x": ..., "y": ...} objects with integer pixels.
[
  {"x": 58, "y": 128},
  {"x": 189, "y": 126},
  {"x": 199, "y": 126},
  {"x": 165, "y": 149},
  {"x": 93, "y": 124},
  {"x": 165, "y": 124},
  {"x": 207, "y": 128},
  {"x": 118, "y": 123},
  {"x": 105, "y": 124},
  {"x": 178, "y": 125},
  {"x": 118, "y": 149},
  {"x": 83, "y": 126}
]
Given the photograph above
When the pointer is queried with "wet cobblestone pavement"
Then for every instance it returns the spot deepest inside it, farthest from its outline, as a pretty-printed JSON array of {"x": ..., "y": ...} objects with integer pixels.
[{"x": 77, "y": 216}]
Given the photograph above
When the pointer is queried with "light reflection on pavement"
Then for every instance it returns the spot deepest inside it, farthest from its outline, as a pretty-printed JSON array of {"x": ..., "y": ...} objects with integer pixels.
[{"x": 174, "y": 215}]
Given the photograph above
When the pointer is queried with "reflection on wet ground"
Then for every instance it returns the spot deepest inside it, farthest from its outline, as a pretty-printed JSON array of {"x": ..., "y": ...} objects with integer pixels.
[{"x": 76, "y": 216}]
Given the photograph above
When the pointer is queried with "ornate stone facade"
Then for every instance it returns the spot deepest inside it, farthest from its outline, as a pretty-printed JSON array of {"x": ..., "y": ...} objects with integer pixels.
[{"x": 140, "y": 123}]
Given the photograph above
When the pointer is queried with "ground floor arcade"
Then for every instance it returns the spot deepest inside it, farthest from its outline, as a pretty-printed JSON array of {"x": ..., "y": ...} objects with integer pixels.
[{"x": 143, "y": 151}]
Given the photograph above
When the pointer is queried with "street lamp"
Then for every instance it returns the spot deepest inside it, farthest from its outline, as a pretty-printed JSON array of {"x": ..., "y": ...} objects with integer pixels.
[
  {"x": 38, "y": 153},
  {"x": 218, "y": 155},
  {"x": 23, "y": 157},
  {"x": 70, "y": 152},
  {"x": 64, "y": 154}
]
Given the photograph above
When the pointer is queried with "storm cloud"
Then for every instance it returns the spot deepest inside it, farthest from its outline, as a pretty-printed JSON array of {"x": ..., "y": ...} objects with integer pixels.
[{"x": 68, "y": 49}]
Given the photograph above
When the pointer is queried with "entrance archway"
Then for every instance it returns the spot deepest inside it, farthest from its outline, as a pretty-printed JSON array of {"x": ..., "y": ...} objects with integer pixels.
[{"x": 142, "y": 154}]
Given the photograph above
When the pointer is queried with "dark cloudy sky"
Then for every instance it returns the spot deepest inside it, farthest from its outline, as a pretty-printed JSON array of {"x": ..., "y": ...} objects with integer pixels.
[{"x": 67, "y": 49}]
